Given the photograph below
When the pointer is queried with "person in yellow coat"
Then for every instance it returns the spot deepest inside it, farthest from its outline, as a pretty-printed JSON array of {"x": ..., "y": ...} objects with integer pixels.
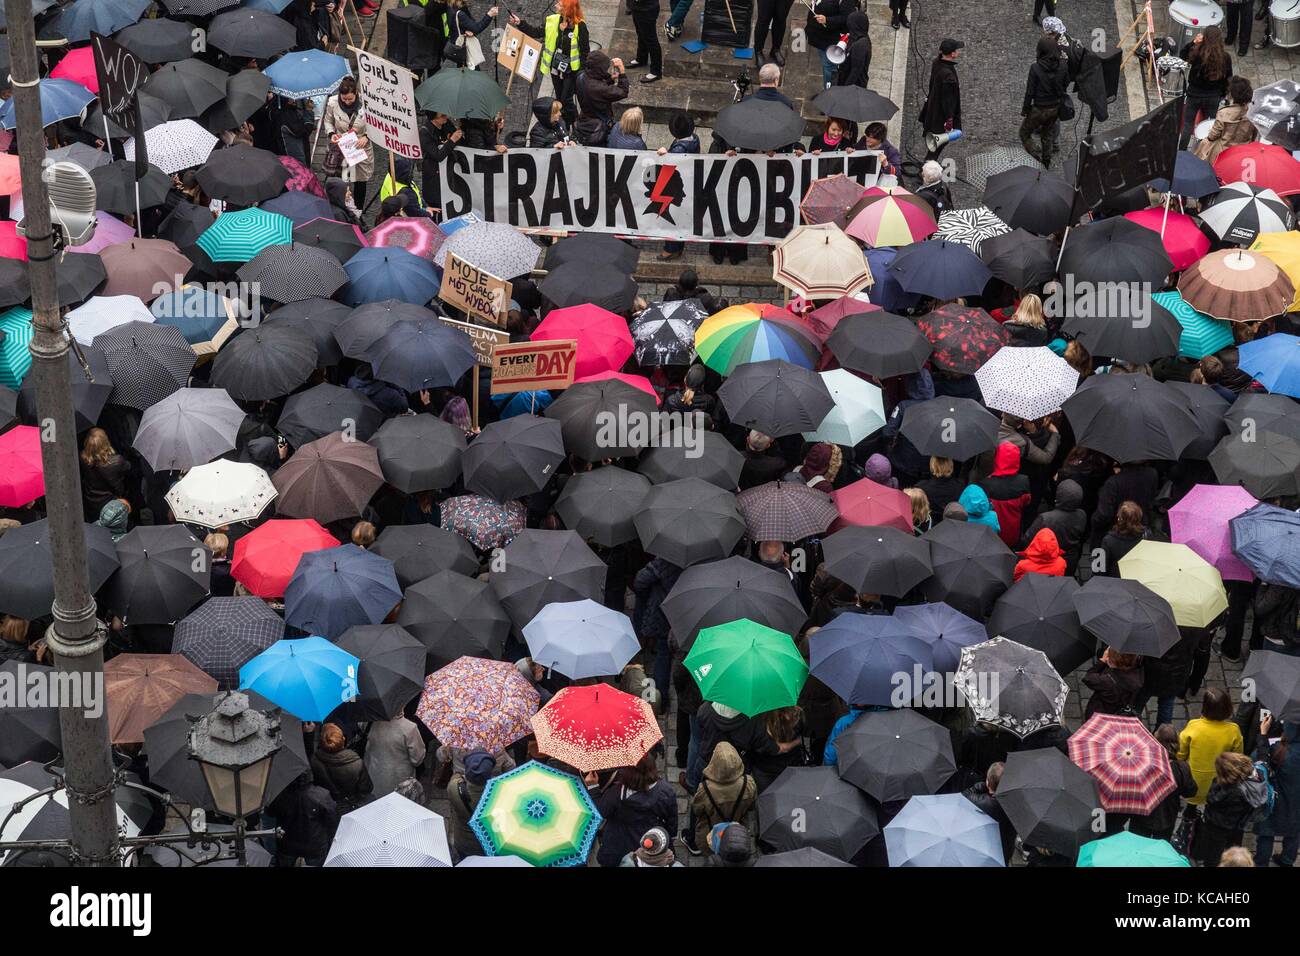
[{"x": 1204, "y": 738}]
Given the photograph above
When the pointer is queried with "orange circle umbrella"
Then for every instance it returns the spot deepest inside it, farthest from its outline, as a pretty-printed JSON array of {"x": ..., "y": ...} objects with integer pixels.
[{"x": 1237, "y": 285}]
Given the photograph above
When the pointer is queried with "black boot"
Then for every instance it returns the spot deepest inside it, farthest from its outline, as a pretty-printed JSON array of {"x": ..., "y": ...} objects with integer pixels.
[
  {"x": 907, "y": 24},
  {"x": 1263, "y": 44},
  {"x": 777, "y": 58},
  {"x": 894, "y": 21}
]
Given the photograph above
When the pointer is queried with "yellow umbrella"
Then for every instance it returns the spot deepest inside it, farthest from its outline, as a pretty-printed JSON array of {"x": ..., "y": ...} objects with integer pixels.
[
  {"x": 820, "y": 262},
  {"x": 1284, "y": 249},
  {"x": 1190, "y": 584}
]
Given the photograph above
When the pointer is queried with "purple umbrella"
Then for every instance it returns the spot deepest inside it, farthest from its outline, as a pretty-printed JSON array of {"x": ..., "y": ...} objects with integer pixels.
[
  {"x": 109, "y": 231},
  {"x": 1201, "y": 521}
]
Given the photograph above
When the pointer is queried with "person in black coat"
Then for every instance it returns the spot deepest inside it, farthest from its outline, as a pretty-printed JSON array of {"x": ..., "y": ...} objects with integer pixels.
[
  {"x": 550, "y": 130},
  {"x": 941, "y": 111},
  {"x": 105, "y": 474},
  {"x": 1115, "y": 680},
  {"x": 309, "y": 816},
  {"x": 855, "y": 69},
  {"x": 222, "y": 584},
  {"x": 438, "y": 137},
  {"x": 1134, "y": 482},
  {"x": 1209, "y": 69},
  {"x": 649, "y": 53},
  {"x": 984, "y": 796},
  {"x": 651, "y": 585},
  {"x": 827, "y": 21},
  {"x": 1068, "y": 521},
  {"x": 634, "y": 801},
  {"x": 1044, "y": 92}
]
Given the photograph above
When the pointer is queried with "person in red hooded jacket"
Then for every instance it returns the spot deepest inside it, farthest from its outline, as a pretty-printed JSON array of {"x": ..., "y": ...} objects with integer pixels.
[
  {"x": 1043, "y": 556},
  {"x": 1008, "y": 492}
]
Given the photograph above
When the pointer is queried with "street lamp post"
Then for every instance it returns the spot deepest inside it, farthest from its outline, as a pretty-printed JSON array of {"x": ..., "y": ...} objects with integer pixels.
[{"x": 76, "y": 638}]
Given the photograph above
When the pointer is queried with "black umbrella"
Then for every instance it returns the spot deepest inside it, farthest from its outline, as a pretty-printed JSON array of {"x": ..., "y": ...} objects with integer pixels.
[
  {"x": 1209, "y": 409},
  {"x": 419, "y": 452},
  {"x": 339, "y": 239},
  {"x": 972, "y": 567},
  {"x": 327, "y": 408},
  {"x": 265, "y": 362},
  {"x": 302, "y": 207},
  {"x": 877, "y": 560},
  {"x": 1038, "y": 611},
  {"x": 89, "y": 391},
  {"x": 78, "y": 276},
  {"x": 153, "y": 111},
  {"x": 775, "y": 398},
  {"x": 1266, "y": 413},
  {"x": 855, "y": 103},
  {"x": 602, "y": 504},
  {"x": 294, "y": 272},
  {"x": 454, "y": 616},
  {"x": 592, "y": 249},
  {"x": 714, "y": 459},
  {"x": 245, "y": 94},
  {"x": 368, "y": 323},
  {"x": 243, "y": 174},
  {"x": 879, "y": 343},
  {"x": 543, "y": 567},
  {"x": 1131, "y": 418},
  {"x": 251, "y": 33},
  {"x": 27, "y": 733},
  {"x": 941, "y": 269},
  {"x": 15, "y": 286},
  {"x": 1115, "y": 250},
  {"x": 1276, "y": 681},
  {"x": 1052, "y": 802},
  {"x": 896, "y": 754},
  {"x": 184, "y": 224},
  {"x": 147, "y": 361},
  {"x": 813, "y": 807},
  {"x": 1031, "y": 199},
  {"x": 1119, "y": 336},
  {"x": 421, "y": 355},
  {"x": 1267, "y": 467},
  {"x": 803, "y": 858},
  {"x": 1020, "y": 258},
  {"x": 689, "y": 521},
  {"x": 578, "y": 283},
  {"x": 589, "y": 413},
  {"x": 223, "y": 634},
  {"x": 164, "y": 571},
  {"x": 419, "y": 551},
  {"x": 318, "y": 318},
  {"x": 189, "y": 87},
  {"x": 391, "y": 671},
  {"x": 27, "y": 567},
  {"x": 956, "y": 428},
  {"x": 8, "y": 406},
  {"x": 115, "y": 187},
  {"x": 514, "y": 457},
  {"x": 158, "y": 40},
  {"x": 758, "y": 124},
  {"x": 1127, "y": 615},
  {"x": 723, "y": 591}
]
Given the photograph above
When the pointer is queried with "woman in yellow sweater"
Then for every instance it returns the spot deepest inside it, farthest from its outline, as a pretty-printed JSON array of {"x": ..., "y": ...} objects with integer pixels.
[{"x": 1204, "y": 738}]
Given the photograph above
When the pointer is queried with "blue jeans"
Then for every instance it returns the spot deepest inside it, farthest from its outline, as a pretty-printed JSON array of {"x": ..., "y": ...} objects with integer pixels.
[
  {"x": 1264, "y": 848},
  {"x": 1164, "y": 708},
  {"x": 829, "y": 69},
  {"x": 678, "y": 16}
]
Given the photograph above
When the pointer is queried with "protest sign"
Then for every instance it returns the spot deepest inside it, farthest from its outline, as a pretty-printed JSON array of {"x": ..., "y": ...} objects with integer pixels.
[
  {"x": 388, "y": 97},
  {"x": 519, "y": 54},
  {"x": 352, "y": 153},
  {"x": 478, "y": 294},
  {"x": 527, "y": 366},
  {"x": 483, "y": 339}
]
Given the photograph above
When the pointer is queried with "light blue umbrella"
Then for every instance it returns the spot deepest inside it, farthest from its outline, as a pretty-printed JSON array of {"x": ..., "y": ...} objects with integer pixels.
[
  {"x": 60, "y": 100},
  {"x": 376, "y": 274},
  {"x": 1274, "y": 361},
  {"x": 303, "y": 73},
  {"x": 205, "y": 318},
  {"x": 581, "y": 639},
  {"x": 240, "y": 235},
  {"x": 1202, "y": 335},
  {"x": 308, "y": 677},
  {"x": 15, "y": 337},
  {"x": 943, "y": 830},
  {"x": 78, "y": 21},
  {"x": 335, "y": 589}
]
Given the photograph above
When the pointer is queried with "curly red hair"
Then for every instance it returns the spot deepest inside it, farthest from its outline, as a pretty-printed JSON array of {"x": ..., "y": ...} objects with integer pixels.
[{"x": 571, "y": 10}]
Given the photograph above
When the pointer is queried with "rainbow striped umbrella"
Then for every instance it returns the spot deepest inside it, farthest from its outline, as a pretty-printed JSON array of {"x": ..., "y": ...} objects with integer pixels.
[
  {"x": 537, "y": 813},
  {"x": 1201, "y": 335},
  {"x": 753, "y": 333},
  {"x": 15, "y": 336},
  {"x": 240, "y": 235},
  {"x": 890, "y": 217}
]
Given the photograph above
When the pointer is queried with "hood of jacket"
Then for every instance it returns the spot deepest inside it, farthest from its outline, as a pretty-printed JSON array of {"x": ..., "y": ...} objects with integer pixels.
[
  {"x": 920, "y": 387},
  {"x": 341, "y": 758},
  {"x": 1069, "y": 495},
  {"x": 859, "y": 25},
  {"x": 1044, "y": 549},
  {"x": 1006, "y": 460},
  {"x": 113, "y": 516},
  {"x": 542, "y": 109},
  {"x": 598, "y": 65},
  {"x": 725, "y": 766},
  {"x": 975, "y": 501}
]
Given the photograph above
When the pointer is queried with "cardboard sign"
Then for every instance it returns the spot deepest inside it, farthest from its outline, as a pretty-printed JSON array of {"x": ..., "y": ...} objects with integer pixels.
[
  {"x": 483, "y": 339},
  {"x": 388, "y": 98},
  {"x": 480, "y": 295},
  {"x": 520, "y": 53},
  {"x": 528, "y": 366}
]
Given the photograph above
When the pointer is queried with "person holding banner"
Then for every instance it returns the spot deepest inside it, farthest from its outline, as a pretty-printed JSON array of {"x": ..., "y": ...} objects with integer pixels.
[
  {"x": 566, "y": 44},
  {"x": 343, "y": 115}
]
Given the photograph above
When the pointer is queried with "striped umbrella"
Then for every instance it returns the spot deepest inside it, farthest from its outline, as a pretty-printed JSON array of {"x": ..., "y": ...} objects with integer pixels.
[
  {"x": 1201, "y": 335},
  {"x": 890, "y": 217},
  {"x": 753, "y": 333},
  {"x": 478, "y": 704},
  {"x": 391, "y": 831},
  {"x": 1238, "y": 286},
  {"x": 240, "y": 235},
  {"x": 1283, "y": 248},
  {"x": 1130, "y": 766},
  {"x": 820, "y": 262},
  {"x": 537, "y": 813},
  {"x": 970, "y": 227},
  {"x": 1241, "y": 212},
  {"x": 1127, "y": 849},
  {"x": 596, "y": 728}
]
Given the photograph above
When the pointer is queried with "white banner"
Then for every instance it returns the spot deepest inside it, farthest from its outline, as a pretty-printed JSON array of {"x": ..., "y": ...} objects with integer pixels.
[
  {"x": 388, "y": 97},
  {"x": 745, "y": 198}
]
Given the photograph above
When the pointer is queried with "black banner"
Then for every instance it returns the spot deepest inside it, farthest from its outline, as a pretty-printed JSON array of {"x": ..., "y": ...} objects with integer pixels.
[
  {"x": 1124, "y": 158},
  {"x": 121, "y": 74}
]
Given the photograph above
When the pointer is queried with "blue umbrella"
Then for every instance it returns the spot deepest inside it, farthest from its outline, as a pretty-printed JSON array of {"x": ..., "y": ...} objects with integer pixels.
[
  {"x": 420, "y": 354},
  {"x": 522, "y": 403},
  {"x": 1193, "y": 177},
  {"x": 940, "y": 269},
  {"x": 201, "y": 315},
  {"x": 60, "y": 100},
  {"x": 886, "y": 292},
  {"x": 943, "y": 830},
  {"x": 78, "y": 21},
  {"x": 338, "y": 588},
  {"x": 946, "y": 629},
  {"x": 377, "y": 274},
  {"x": 859, "y": 656},
  {"x": 304, "y": 73},
  {"x": 1274, "y": 361},
  {"x": 308, "y": 677},
  {"x": 1267, "y": 539},
  {"x": 301, "y": 207}
]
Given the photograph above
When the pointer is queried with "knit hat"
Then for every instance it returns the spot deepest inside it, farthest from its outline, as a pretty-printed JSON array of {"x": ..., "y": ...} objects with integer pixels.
[
  {"x": 479, "y": 767},
  {"x": 879, "y": 470},
  {"x": 816, "y": 461},
  {"x": 732, "y": 844},
  {"x": 655, "y": 848},
  {"x": 1053, "y": 25}
]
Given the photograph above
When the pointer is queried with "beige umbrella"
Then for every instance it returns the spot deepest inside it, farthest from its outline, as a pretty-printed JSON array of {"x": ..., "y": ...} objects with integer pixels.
[
  {"x": 142, "y": 687},
  {"x": 820, "y": 262},
  {"x": 146, "y": 268},
  {"x": 1237, "y": 285},
  {"x": 1191, "y": 585}
]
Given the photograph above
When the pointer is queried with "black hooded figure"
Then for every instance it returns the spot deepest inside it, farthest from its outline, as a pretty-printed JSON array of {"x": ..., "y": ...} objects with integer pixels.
[{"x": 857, "y": 63}]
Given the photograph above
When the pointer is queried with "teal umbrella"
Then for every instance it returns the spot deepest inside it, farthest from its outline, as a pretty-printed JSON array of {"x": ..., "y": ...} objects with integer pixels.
[
  {"x": 15, "y": 359},
  {"x": 1129, "y": 849},
  {"x": 461, "y": 94},
  {"x": 239, "y": 236},
  {"x": 1201, "y": 335}
]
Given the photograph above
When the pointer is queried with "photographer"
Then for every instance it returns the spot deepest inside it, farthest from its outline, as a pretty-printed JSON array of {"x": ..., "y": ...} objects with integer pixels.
[{"x": 602, "y": 84}]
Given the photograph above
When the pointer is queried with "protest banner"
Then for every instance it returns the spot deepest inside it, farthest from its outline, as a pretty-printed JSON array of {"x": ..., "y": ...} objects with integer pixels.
[
  {"x": 120, "y": 74},
  {"x": 480, "y": 295},
  {"x": 388, "y": 97},
  {"x": 525, "y": 366}
]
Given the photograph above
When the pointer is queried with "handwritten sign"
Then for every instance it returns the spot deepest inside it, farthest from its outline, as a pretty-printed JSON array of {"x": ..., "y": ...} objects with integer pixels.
[
  {"x": 480, "y": 295},
  {"x": 520, "y": 54},
  {"x": 388, "y": 97},
  {"x": 528, "y": 366},
  {"x": 121, "y": 74},
  {"x": 352, "y": 153},
  {"x": 483, "y": 339}
]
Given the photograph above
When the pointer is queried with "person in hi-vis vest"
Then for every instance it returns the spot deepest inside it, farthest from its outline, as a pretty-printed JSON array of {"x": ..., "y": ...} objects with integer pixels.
[{"x": 565, "y": 47}]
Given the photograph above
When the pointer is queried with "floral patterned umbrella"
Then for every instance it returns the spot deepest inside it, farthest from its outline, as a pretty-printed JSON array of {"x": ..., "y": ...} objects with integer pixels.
[
  {"x": 537, "y": 813},
  {"x": 1130, "y": 766},
  {"x": 964, "y": 337},
  {"x": 596, "y": 728},
  {"x": 484, "y": 523},
  {"x": 301, "y": 179},
  {"x": 1011, "y": 686},
  {"x": 478, "y": 704}
]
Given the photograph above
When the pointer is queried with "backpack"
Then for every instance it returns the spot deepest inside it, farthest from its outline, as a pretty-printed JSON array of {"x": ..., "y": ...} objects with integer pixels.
[{"x": 590, "y": 131}]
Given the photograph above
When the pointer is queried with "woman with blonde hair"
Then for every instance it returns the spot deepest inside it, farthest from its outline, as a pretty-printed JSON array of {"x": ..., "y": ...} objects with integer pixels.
[
  {"x": 104, "y": 473},
  {"x": 943, "y": 487},
  {"x": 13, "y": 641},
  {"x": 222, "y": 584},
  {"x": 920, "y": 510},
  {"x": 1028, "y": 326},
  {"x": 626, "y": 133}
]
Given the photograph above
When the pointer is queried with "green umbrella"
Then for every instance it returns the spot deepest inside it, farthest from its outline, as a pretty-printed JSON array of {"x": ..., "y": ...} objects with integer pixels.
[
  {"x": 240, "y": 235},
  {"x": 461, "y": 94},
  {"x": 1201, "y": 335},
  {"x": 1129, "y": 849},
  {"x": 15, "y": 336},
  {"x": 537, "y": 813},
  {"x": 747, "y": 666}
]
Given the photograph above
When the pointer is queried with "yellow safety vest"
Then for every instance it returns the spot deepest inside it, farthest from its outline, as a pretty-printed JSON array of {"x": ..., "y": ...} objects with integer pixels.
[
  {"x": 387, "y": 189},
  {"x": 551, "y": 41}
]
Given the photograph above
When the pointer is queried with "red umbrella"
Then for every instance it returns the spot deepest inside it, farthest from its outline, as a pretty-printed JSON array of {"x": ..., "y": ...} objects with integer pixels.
[
  {"x": 79, "y": 67},
  {"x": 829, "y": 199},
  {"x": 1131, "y": 767},
  {"x": 1182, "y": 238},
  {"x": 604, "y": 343},
  {"x": 964, "y": 337},
  {"x": 12, "y": 245},
  {"x": 636, "y": 381},
  {"x": 867, "y": 503},
  {"x": 266, "y": 557},
  {"x": 823, "y": 320},
  {"x": 1260, "y": 164},
  {"x": 22, "y": 477},
  {"x": 596, "y": 728}
]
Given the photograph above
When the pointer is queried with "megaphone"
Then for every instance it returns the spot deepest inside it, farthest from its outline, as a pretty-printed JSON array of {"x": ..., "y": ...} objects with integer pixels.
[{"x": 840, "y": 51}]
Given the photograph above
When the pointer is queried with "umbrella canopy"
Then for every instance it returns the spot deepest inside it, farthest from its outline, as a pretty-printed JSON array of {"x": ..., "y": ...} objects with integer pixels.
[
  {"x": 376, "y": 274},
  {"x": 461, "y": 94},
  {"x": 419, "y": 452},
  {"x": 343, "y": 240},
  {"x": 688, "y": 521},
  {"x": 964, "y": 338},
  {"x": 78, "y": 277},
  {"x": 485, "y": 523},
  {"x": 758, "y": 124},
  {"x": 476, "y": 704},
  {"x": 205, "y": 318},
  {"x": 877, "y": 560},
  {"x": 240, "y": 235},
  {"x": 1260, "y": 164},
  {"x": 1264, "y": 539},
  {"x": 1130, "y": 850},
  {"x": 307, "y": 73},
  {"x": 537, "y": 813},
  {"x": 27, "y": 569},
  {"x": 604, "y": 342},
  {"x": 495, "y": 247},
  {"x": 1131, "y": 418},
  {"x": 888, "y": 292},
  {"x": 803, "y": 858},
  {"x": 158, "y": 40},
  {"x": 420, "y": 237},
  {"x": 1266, "y": 467},
  {"x": 747, "y": 667},
  {"x": 714, "y": 459},
  {"x": 1284, "y": 249},
  {"x": 420, "y": 550},
  {"x": 145, "y": 268},
  {"x": 1127, "y": 615},
  {"x": 1019, "y": 258},
  {"x": 828, "y": 200},
  {"x": 146, "y": 361},
  {"x": 1115, "y": 250},
  {"x": 325, "y": 408},
  {"x": 243, "y": 174},
  {"x": 593, "y": 248},
  {"x": 1130, "y": 766},
  {"x": 1206, "y": 518},
  {"x": 820, "y": 261},
  {"x": 576, "y": 283},
  {"x": 175, "y": 145},
  {"x": 890, "y": 217},
  {"x": 972, "y": 567},
  {"x": 1238, "y": 286},
  {"x": 1050, "y": 801},
  {"x": 421, "y": 355},
  {"x": 391, "y": 831},
  {"x": 722, "y": 591},
  {"x": 754, "y": 333},
  {"x": 956, "y": 428},
  {"x": 1179, "y": 234},
  {"x": 945, "y": 629},
  {"x": 1138, "y": 330},
  {"x": 293, "y": 272},
  {"x": 895, "y": 755},
  {"x": 454, "y": 616},
  {"x": 545, "y": 567},
  {"x": 15, "y": 356},
  {"x": 1031, "y": 199},
  {"x": 1209, "y": 409},
  {"x": 1190, "y": 584},
  {"x": 775, "y": 397},
  {"x": 308, "y": 677},
  {"x": 811, "y": 807},
  {"x": 28, "y": 730},
  {"x": 581, "y": 639},
  {"x": 164, "y": 571},
  {"x": 1028, "y": 382},
  {"x": 1011, "y": 686},
  {"x": 328, "y": 479},
  {"x": 391, "y": 673},
  {"x": 265, "y": 559},
  {"x": 251, "y": 33},
  {"x": 858, "y": 413},
  {"x": 970, "y": 227},
  {"x": 1276, "y": 680},
  {"x": 221, "y": 493},
  {"x": 590, "y": 413},
  {"x": 141, "y": 688},
  {"x": 366, "y": 324},
  {"x": 867, "y": 503},
  {"x": 302, "y": 205},
  {"x": 940, "y": 269},
  {"x": 1273, "y": 361},
  {"x": 1038, "y": 611},
  {"x": 22, "y": 474},
  {"x": 783, "y": 510},
  {"x": 28, "y": 813},
  {"x": 188, "y": 86},
  {"x": 513, "y": 458},
  {"x": 60, "y": 100},
  {"x": 944, "y": 830},
  {"x": 860, "y": 656},
  {"x": 664, "y": 334},
  {"x": 855, "y": 103},
  {"x": 1200, "y": 336},
  {"x": 77, "y": 65},
  {"x": 1193, "y": 177},
  {"x": 318, "y": 318},
  {"x": 189, "y": 427},
  {"x": 115, "y": 185},
  {"x": 596, "y": 728},
  {"x": 602, "y": 504},
  {"x": 224, "y": 633},
  {"x": 265, "y": 362},
  {"x": 1241, "y": 212}
]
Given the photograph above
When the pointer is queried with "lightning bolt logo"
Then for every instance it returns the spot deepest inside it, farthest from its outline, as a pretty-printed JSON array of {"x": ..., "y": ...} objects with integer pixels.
[{"x": 666, "y": 191}]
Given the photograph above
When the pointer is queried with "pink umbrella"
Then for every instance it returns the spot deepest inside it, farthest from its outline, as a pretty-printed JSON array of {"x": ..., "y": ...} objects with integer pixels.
[
  {"x": 1184, "y": 242},
  {"x": 12, "y": 246},
  {"x": 109, "y": 231},
  {"x": 604, "y": 343},
  {"x": 636, "y": 381},
  {"x": 867, "y": 503},
  {"x": 79, "y": 67},
  {"x": 823, "y": 320},
  {"x": 417, "y": 235},
  {"x": 1200, "y": 521},
  {"x": 22, "y": 477},
  {"x": 301, "y": 179}
]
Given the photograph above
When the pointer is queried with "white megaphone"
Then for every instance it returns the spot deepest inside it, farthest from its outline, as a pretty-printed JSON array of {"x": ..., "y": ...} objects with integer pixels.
[{"x": 840, "y": 51}]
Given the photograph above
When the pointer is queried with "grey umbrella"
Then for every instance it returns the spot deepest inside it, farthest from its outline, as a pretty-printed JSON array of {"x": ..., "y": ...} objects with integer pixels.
[
  {"x": 454, "y": 616},
  {"x": 328, "y": 479},
  {"x": 1038, "y": 611},
  {"x": 1209, "y": 409},
  {"x": 543, "y": 567},
  {"x": 391, "y": 672},
  {"x": 971, "y": 565},
  {"x": 775, "y": 398},
  {"x": 188, "y": 86},
  {"x": 419, "y": 452},
  {"x": 1127, "y": 615},
  {"x": 147, "y": 361},
  {"x": 15, "y": 286},
  {"x": 1276, "y": 678},
  {"x": 27, "y": 567},
  {"x": 956, "y": 428},
  {"x": 26, "y": 732},
  {"x": 318, "y": 318},
  {"x": 591, "y": 412},
  {"x": 689, "y": 521},
  {"x": 895, "y": 754},
  {"x": 78, "y": 277},
  {"x": 165, "y": 571},
  {"x": 245, "y": 95},
  {"x": 189, "y": 427},
  {"x": 293, "y": 272},
  {"x": 758, "y": 124},
  {"x": 602, "y": 504},
  {"x": 327, "y": 408},
  {"x": 159, "y": 41},
  {"x": 802, "y": 858},
  {"x": 419, "y": 551},
  {"x": 265, "y": 362},
  {"x": 514, "y": 457},
  {"x": 1051, "y": 802},
  {"x": 1011, "y": 686},
  {"x": 223, "y": 634},
  {"x": 877, "y": 560},
  {"x": 713, "y": 459},
  {"x": 813, "y": 807},
  {"x": 723, "y": 591},
  {"x": 368, "y": 323}
]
